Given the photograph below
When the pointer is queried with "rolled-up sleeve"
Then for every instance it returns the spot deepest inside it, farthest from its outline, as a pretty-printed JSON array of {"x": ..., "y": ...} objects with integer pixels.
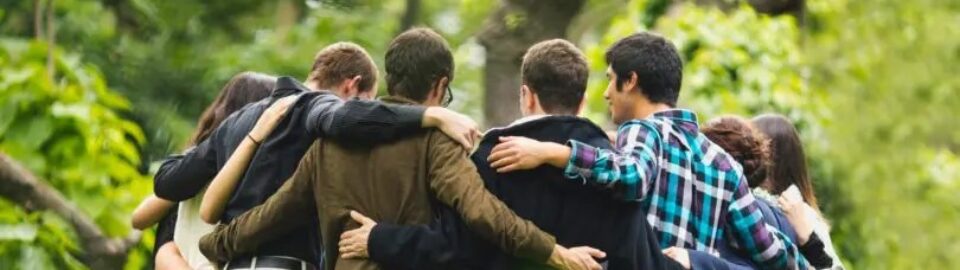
[
  {"x": 629, "y": 170},
  {"x": 360, "y": 121}
]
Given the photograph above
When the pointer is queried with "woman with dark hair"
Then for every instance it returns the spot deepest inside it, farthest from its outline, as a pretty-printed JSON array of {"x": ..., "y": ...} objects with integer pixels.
[
  {"x": 749, "y": 148},
  {"x": 789, "y": 169},
  {"x": 174, "y": 247}
]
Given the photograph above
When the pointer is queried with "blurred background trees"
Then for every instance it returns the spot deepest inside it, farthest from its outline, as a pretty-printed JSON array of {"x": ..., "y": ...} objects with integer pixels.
[{"x": 94, "y": 92}]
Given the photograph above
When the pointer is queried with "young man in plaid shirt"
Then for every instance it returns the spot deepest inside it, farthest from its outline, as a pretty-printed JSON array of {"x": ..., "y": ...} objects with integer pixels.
[{"x": 695, "y": 194}]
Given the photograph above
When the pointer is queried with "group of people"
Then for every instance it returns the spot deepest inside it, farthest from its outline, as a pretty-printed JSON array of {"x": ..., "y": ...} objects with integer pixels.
[{"x": 318, "y": 175}]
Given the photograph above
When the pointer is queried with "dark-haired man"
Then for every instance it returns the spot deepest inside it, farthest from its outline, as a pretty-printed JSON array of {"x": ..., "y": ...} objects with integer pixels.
[
  {"x": 400, "y": 182},
  {"x": 348, "y": 71},
  {"x": 694, "y": 192},
  {"x": 554, "y": 75}
]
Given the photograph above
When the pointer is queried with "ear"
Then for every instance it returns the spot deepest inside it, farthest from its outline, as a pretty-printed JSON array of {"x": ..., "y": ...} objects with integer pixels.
[
  {"x": 528, "y": 99},
  {"x": 632, "y": 82},
  {"x": 438, "y": 90},
  {"x": 354, "y": 84}
]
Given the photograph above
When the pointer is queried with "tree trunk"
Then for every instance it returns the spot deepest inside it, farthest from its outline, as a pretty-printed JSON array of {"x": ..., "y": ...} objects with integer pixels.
[
  {"x": 38, "y": 19},
  {"x": 97, "y": 250},
  {"x": 410, "y": 15},
  {"x": 506, "y": 35},
  {"x": 51, "y": 41}
]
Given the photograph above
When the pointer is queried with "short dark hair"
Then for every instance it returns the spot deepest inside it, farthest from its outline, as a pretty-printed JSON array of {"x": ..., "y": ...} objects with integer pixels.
[
  {"x": 655, "y": 61},
  {"x": 342, "y": 61},
  {"x": 557, "y": 72},
  {"x": 415, "y": 60}
]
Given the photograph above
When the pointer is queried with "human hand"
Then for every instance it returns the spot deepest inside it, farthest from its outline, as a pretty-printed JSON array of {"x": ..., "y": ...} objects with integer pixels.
[
  {"x": 271, "y": 117},
  {"x": 680, "y": 255},
  {"x": 521, "y": 153},
  {"x": 577, "y": 258},
  {"x": 457, "y": 126},
  {"x": 795, "y": 210},
  {"x": 353, "y": 243}
]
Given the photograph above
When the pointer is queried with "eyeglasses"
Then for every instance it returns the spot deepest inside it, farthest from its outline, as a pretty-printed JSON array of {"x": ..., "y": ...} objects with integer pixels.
[{"x": 447, "y": 97}]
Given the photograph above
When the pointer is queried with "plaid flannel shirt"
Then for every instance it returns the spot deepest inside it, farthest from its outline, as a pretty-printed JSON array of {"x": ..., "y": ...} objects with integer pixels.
[{"x": 693, "y": 190}]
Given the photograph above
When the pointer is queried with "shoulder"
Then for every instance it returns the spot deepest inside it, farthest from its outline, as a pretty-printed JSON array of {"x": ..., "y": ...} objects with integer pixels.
[{"x": 438, "y": 141}]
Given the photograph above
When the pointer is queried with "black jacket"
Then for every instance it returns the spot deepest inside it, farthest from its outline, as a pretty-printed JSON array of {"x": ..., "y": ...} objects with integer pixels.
[
  {"x": 574, "y": 213},
  {"x": 314, "y": 114}
]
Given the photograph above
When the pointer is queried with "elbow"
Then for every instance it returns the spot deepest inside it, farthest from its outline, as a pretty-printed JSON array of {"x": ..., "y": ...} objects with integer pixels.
[
  {"x": 166, "y": 192},
  {"x": 139, "y": 222},
  {"x": 208, "y": 217}
]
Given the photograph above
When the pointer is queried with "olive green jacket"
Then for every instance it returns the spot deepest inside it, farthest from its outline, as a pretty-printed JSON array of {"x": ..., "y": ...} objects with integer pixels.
[{"x": 395, "y": 182}]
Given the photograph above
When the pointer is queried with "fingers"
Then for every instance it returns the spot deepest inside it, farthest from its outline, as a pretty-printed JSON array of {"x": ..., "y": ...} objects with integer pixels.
[
  {"x": 360, "y": 218},
  {"x": 503, "y": 159},
  {"x": 499, "y": 152},
  {"x": 587, "y": 262},
  {"x": 465, "y": 141},
  {"x": 785, "y": 204},
  {"x": 596, "y": 253},
  {"x": 510, "y": 168}
]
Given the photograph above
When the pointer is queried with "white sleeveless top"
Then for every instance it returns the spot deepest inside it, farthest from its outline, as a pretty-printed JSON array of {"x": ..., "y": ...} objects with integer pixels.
[{"x": 189, "y": 229}]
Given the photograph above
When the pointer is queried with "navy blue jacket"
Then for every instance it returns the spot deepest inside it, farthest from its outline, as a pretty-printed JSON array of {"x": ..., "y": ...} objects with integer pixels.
[{"x": 574, "y": 213}]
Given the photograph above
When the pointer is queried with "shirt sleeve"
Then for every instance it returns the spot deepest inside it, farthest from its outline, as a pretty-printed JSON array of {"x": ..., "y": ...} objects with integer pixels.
[
  {"x": 443, "y": 244},
  {"x": 628, "y": 171},
  {"x": 361, "y": 121},
  {"x": 181, "y": 177},
  {"x": 700, "y": 260},
  {"x": 814, "y": 251},
  {"x": 456, "y": 183},
  {"x": 766, "y": 246},
  {"x": 267, "y": 221}
]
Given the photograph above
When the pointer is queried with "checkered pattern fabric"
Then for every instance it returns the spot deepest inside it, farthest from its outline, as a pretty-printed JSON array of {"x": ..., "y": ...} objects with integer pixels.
[{"x": 694, "y": 192}]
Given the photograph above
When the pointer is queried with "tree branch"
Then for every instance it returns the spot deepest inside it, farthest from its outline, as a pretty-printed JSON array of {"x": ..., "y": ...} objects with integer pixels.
[{"x": 23, "y": 188}]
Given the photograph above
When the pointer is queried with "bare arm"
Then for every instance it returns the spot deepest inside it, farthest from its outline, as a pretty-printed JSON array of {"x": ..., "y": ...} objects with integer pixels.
[
  {"x": 268, "y": 220},
  {"x": 222, "y": 187},
  {"x": 150, "y": 211},
  {"x": 169, "y": 257}
]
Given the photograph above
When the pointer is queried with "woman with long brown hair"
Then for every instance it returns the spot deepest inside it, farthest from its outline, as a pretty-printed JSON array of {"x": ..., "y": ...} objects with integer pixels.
[
  {"x": 752, "y": 150},
  {"x": 788, "y": 169},
  {"x": 172, "y": 251}
]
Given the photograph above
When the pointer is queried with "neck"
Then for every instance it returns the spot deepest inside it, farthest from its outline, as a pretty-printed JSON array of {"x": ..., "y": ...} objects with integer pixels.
[
  {"x": 647, "y": 111},
  {"x": 312, "y": 85}
]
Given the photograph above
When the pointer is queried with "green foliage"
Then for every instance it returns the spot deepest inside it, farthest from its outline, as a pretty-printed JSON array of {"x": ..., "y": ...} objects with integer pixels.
[
  {"x": 68, "y": 131},
  {"x": 872, "y": 85},
  {"x": 891, "y": 159}
]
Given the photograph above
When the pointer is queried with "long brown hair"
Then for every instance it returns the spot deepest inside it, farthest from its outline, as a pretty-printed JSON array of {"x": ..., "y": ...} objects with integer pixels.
[
  {"x": 241, "y": 90},
  {"x": 789, "y": 166},
  {"x": 749, "y": 147}
]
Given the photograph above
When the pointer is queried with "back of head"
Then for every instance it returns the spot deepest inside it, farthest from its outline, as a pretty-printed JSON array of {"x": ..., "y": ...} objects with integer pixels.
[
  {"x": 556, "y": 71},
  {"x": 655, "y": 61},
  {"x": 743, "y": 143},
  {"x": 241, "y": 90},
  {"x": 342, "y": 61},
  {"x": 789, "y": 166},
  {"x": 415, "y": 60}
]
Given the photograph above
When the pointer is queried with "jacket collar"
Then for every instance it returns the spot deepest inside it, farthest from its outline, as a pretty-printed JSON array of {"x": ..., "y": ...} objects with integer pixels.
[
  {"x": 685, "y": 119},
  {"x": 398, "y": 100},
  {"x": 288, "y": 86},
  {"x": 527, "y": 118}
]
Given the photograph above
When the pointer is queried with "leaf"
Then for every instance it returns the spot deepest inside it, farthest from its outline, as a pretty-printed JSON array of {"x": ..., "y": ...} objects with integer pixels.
[{"x": 18, "y": 232}]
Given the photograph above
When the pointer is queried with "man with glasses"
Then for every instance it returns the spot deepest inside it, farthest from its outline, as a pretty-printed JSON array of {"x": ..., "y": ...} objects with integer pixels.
[{"x": 400, "y": 182}]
